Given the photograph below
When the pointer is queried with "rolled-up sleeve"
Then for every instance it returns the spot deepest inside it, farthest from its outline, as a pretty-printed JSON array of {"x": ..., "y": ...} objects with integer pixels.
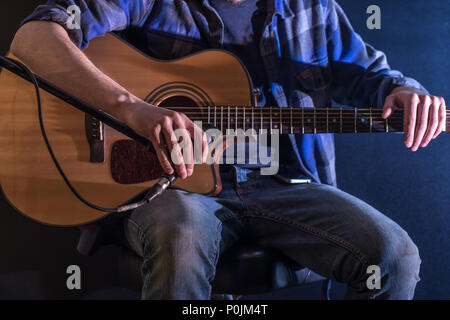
[
  {"x": 96, "y": 17},
  {"x": 361, "y": 74}
]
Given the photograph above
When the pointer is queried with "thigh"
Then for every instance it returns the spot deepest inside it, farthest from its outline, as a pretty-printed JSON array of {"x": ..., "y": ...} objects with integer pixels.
[
  {"x": 323, "y": 228},
  {"x": 179, "y": 216}
]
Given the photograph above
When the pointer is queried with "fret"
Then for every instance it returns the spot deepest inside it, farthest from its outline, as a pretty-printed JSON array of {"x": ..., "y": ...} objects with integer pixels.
[
  {"x": 221, "y": 119},
  {"x": 215, "y": 125},
  {"x": 387, "y": 125},
  {"x": 243, "y": 121},
  {"x": 229, "y": 117},
  {"x": 370, "y": 119},
  {"x": 261, "y": 118},
  {"x": 303, "y": 120},
  {"x": 281, "y": 120},
  {"x": 253, "y": 117},
  {"x": 315, "y": 121},
  {"x": 209, "y": 114},
  {"x": 235, "y": 118},
  {"x": 328, "y": 129},
  {"x": 292, "y": 129},
  {"x": 341, "y": 120},
  {"x": 355, "y": 121},
  {"x": 270, "y": 120}
]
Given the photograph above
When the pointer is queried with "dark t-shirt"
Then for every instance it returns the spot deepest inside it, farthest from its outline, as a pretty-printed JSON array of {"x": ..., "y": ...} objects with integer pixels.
[{"x": 243, "y": 28}]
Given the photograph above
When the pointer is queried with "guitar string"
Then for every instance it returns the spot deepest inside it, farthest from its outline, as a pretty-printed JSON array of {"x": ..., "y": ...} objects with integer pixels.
[
  {"x": 294, "y": 116},
  {"x": 330, "y": 117},
  {"x": 319, "y": 114},
  {"x": 234, "y": 109}
]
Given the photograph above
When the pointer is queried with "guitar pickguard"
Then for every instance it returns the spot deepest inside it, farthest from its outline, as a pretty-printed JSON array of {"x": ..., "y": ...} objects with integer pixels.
[{"x": 132, "y": 163}]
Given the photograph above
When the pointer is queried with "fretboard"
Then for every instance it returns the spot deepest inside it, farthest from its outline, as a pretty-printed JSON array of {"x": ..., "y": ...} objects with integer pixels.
[{"x": 297, "y": 120}]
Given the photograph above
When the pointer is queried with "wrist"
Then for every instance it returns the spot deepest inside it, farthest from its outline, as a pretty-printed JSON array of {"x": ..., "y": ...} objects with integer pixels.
[
  {"x": 410, "y": 90},
  {"x": 123, "y": 105}
]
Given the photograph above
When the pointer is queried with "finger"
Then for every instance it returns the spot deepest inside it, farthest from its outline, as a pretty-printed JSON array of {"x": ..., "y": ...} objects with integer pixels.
[
  {"x": 433, "y": 121},
  {"x": 181, "y": 122},
  {"x": 172, "y": 143},
  {"x": 442, "y": 117},
  {"x": 187, "y": 149},
  {"x": 160, "y": 149},
  {"x": 421, "y": 122},
  {"x": 409, "y": 120},
  {"x": 188, "y": 154},
  {"x": 205, "y": 147},
  {"x": 389, "y": 107},
  {"x": 200, "y": 141}
]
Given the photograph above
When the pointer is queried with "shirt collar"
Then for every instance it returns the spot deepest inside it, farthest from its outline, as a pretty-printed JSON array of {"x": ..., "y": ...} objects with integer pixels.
[{"x": 280, "y": 7}]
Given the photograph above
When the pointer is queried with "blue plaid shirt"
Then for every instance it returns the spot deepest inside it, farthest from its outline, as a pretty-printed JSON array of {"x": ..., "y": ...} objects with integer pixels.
[{"x": 311, "y": 55}]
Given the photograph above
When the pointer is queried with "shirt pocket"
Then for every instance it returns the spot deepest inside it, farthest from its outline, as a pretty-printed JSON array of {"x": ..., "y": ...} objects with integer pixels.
[
  {"x": 301, "y": 36},
  {"x": 315, "y": 82}
]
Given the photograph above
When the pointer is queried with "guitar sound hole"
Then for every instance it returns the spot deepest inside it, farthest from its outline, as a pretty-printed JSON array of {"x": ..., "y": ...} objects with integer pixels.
[{"x": 177, "y": 102}]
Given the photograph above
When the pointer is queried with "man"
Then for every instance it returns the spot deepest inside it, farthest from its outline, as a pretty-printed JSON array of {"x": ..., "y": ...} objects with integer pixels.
[{"x": 299, "y": 53}]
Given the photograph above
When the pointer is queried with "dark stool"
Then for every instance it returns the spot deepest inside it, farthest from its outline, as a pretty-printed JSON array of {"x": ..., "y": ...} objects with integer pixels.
[{"x": 241, "y": 270}]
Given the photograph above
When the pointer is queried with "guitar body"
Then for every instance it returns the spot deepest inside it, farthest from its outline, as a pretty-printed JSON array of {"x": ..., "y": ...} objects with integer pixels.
[{"x": 28, "y": 176}]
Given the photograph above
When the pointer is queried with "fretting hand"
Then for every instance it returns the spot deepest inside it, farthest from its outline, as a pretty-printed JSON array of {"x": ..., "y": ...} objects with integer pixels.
[{"x": 424, "y": 115}]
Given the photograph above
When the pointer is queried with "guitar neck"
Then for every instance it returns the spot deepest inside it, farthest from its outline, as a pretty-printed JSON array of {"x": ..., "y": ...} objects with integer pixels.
[{"x": 298, "y": 120}]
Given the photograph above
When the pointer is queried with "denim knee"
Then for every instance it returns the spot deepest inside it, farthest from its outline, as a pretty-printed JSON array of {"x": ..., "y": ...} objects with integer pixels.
[
  {"x": 399, "y": 261},
  {"x": 183, "y": 223},
  {"x": 396, "y": 250},
  {"x": 185, "y": 233}
]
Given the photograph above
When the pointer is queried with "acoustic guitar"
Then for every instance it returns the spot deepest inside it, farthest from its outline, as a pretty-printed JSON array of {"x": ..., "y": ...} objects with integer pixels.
[{"x": 106, "y": 167}]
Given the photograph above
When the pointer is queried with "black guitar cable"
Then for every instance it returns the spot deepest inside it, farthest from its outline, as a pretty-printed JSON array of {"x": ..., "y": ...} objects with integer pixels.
[{"x": 153, "y": 192}]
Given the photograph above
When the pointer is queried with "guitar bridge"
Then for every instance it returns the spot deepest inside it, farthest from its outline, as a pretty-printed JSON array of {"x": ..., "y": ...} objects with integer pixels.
[{"x": 94, "y": 134}]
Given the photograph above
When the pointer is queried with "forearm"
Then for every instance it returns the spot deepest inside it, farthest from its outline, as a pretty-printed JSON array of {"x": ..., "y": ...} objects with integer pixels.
[{"x": 46, "y": 48}]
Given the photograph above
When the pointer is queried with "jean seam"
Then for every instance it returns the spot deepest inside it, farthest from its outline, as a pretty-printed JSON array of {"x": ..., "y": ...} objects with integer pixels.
[
  {"x": 213, "y": 257},
  {"x": 324, "y": 235},
  {"x": 141, "y": 234}
]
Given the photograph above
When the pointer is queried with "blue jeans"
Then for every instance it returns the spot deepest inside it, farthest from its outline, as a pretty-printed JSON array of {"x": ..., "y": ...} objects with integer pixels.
[{"x": 181, "y": 235}]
